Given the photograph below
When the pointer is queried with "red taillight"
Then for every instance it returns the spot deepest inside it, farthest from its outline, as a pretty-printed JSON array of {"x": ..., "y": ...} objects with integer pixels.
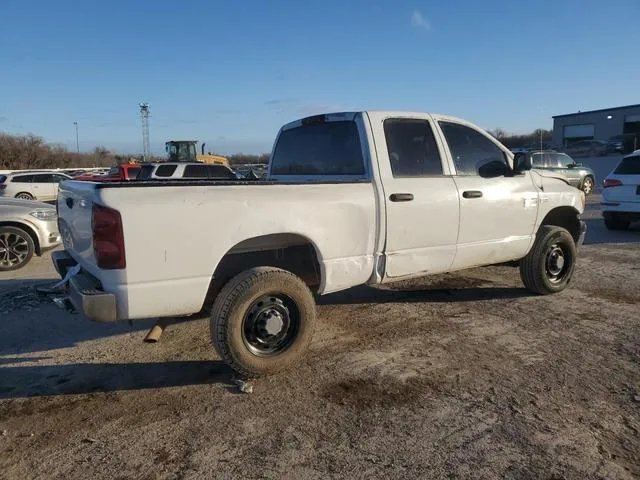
[
  {"x": 611, "y": 182},
  {"x": 108, "y": 238},
  {"x": 3, "y": 186}
]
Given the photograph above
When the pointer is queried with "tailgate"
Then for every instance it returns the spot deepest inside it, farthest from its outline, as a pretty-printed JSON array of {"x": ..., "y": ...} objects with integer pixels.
[{"x": 74, "y": 204}]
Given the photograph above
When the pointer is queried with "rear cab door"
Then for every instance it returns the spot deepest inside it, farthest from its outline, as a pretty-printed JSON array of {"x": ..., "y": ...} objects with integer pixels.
[
  {"x": 419, "y": 195},
  {"x": 498, "y": 209}
]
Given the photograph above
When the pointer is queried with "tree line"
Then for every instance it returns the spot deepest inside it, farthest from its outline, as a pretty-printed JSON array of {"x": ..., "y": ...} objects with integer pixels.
[
  {"x": 515, "y": 140},
  {"x": 30, "y": 152}
]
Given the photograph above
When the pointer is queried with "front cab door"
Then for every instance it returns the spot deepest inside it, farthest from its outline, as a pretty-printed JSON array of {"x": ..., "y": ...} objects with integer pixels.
[{"x": 498, "y": 209}]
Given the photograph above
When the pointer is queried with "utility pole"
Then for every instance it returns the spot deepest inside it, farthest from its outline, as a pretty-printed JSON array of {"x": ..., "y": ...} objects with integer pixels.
[
  {"x": 144, "y": 114},
  {"x": 77, "y": 142}
]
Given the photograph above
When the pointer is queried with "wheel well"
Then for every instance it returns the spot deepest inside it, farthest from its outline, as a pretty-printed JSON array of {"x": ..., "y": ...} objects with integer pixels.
[
  {"x": 565, "y": 217},
  {"x": 27, "y": 229},
  {"x": 290, "y": 252}
]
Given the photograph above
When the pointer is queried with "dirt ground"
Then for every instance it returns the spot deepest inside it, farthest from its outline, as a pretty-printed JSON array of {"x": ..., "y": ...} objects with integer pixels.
[{"x": 464, "y": 375}]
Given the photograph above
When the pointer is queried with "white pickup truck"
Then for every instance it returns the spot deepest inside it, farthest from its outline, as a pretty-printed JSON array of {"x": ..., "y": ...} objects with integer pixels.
[{"x": 350, "y": 198}]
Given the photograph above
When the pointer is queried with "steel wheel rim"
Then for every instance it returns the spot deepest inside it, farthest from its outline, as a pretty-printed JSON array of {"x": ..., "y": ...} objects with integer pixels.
[
  {"x": 24, "y": 196},
  {"x": 588, "y": 186},
  {"x": 556, "y": 264},
  {"x": 270, "y": 325},
  {"x": 14, "y": 249}
]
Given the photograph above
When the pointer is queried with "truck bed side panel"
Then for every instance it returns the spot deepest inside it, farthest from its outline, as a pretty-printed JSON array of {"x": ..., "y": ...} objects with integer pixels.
[{"x": 175, "y": 236}]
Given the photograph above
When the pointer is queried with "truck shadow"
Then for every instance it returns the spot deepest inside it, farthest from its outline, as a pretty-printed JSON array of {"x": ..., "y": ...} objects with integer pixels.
[{"x": 79, "y": 378}]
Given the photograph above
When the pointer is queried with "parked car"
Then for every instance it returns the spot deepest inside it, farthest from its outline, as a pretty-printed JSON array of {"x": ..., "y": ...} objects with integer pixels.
[
  {"x": 184, "y": 171},
  {"x": 624, "y": 143},
  {"x": 30, "y": 185},
  {"x": 27, "y": 228},
  {"x": 350, "y": 198},
  {"x": 578, "y": 175},
  {"x": 587, "y": 148},
  {"x": 117, "y": 173},
  {"x": 621, "y": 194}
]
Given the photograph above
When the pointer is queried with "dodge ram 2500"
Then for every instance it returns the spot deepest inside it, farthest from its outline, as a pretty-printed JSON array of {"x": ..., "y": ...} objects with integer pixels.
[{"x": 350, "y": 198}]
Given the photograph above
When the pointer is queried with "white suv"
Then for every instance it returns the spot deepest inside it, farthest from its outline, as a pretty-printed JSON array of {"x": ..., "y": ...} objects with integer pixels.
[
  {"x": 621, "y": 194},
  {"x": 42, "y": 186},
  {"x": 185, "y": 171}
]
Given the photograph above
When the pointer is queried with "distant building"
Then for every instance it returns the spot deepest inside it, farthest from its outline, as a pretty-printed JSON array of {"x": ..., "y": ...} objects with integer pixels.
[{"x": 598, "y": 125}]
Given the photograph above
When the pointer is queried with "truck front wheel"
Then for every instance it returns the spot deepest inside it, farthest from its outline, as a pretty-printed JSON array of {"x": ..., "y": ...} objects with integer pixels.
[
  {"x": 549, "y": 266},
  {"x": 262, "y": 321}
]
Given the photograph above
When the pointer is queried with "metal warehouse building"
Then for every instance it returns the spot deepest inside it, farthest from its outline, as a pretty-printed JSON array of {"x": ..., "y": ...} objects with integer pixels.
[{"x": 597, "y": 125}]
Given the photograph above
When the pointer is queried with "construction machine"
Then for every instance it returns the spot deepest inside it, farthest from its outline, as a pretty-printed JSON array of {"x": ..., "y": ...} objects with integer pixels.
[{"x": 185, "y": 151}]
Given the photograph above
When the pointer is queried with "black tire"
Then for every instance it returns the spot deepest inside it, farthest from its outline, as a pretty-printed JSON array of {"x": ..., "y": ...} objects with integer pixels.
[
  {"x": 25, "y": 196},
  {"x": 613, "y": 222},
  {"x": 16, "y": 248},
  {"x": 587, "y": 185},
  {"x": 240, "y": 321},
  {"x": 541, "y": 270}
]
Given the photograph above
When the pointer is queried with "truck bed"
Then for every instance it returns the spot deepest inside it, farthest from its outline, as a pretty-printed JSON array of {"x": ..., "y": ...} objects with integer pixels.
[{"x": 173, "y": 241}]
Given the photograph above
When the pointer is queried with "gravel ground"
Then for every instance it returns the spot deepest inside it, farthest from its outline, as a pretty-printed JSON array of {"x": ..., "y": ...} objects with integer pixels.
[{"x": 457, "y": 376}]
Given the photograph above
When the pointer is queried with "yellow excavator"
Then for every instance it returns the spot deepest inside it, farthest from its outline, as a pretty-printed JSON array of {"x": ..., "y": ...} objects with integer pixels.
[{"x": 185, "y": 151}]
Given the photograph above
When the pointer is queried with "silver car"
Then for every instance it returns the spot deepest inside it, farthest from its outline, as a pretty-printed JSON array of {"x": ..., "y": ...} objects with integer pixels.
[
  {"x": 27, "y": 228},
  {"x": 31, "y": 185}
]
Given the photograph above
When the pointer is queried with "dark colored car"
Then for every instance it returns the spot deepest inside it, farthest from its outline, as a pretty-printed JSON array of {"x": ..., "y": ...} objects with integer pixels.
[
  {"x": 578, "y": 175},
  {"x": 624, "y": 143},
  {"x": 587, "y": 148}
]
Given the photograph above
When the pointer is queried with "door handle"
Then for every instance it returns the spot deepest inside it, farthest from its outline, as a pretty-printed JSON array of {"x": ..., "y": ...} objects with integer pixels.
[
  {"x": 472, "y": 194},
  {"x": 401, "y": 197}
]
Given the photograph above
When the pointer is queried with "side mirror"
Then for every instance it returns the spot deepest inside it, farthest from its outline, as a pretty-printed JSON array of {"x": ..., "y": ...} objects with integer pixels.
[
  {"x": 521, "y": 163},
  {"x": 493, "y": 169}
]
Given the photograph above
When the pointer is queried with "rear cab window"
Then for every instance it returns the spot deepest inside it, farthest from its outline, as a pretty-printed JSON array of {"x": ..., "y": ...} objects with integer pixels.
[
  {"x": 319, "y": 148},
  {"x": 413, "y": 151},
  {"x": 628, "y": 166}
]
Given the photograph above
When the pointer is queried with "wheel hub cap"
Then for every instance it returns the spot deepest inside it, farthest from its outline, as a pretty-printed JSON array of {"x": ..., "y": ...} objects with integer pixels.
[
  {"x": 270, "y": 325},
  {"x": 555, "y": 261},
  {"x": 271, "y": 322}
]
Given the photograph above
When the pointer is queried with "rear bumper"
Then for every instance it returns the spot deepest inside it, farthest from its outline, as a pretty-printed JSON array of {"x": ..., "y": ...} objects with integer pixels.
[{"x": 85, "y": 291}]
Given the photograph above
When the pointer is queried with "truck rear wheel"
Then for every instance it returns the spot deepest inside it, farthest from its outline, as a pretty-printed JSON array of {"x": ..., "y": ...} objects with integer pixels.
[
  {"x": 262, "y": 321},
  {"x": 549, "y": 266}
]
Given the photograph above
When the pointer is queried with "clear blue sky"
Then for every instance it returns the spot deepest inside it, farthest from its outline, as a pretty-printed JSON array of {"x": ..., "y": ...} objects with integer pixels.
[{"x": 231, "y": 72}]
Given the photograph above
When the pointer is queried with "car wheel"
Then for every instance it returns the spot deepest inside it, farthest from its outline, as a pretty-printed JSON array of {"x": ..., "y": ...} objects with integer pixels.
[
  {"x": 262, "y": 321},
  {"x": 16, "y": 248},
  {"x": 587, "y": 186},
  {"x": 25, "y": 196},
  {"x": 549, "y": 266},
  {"x": 613, "y": 222}
]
